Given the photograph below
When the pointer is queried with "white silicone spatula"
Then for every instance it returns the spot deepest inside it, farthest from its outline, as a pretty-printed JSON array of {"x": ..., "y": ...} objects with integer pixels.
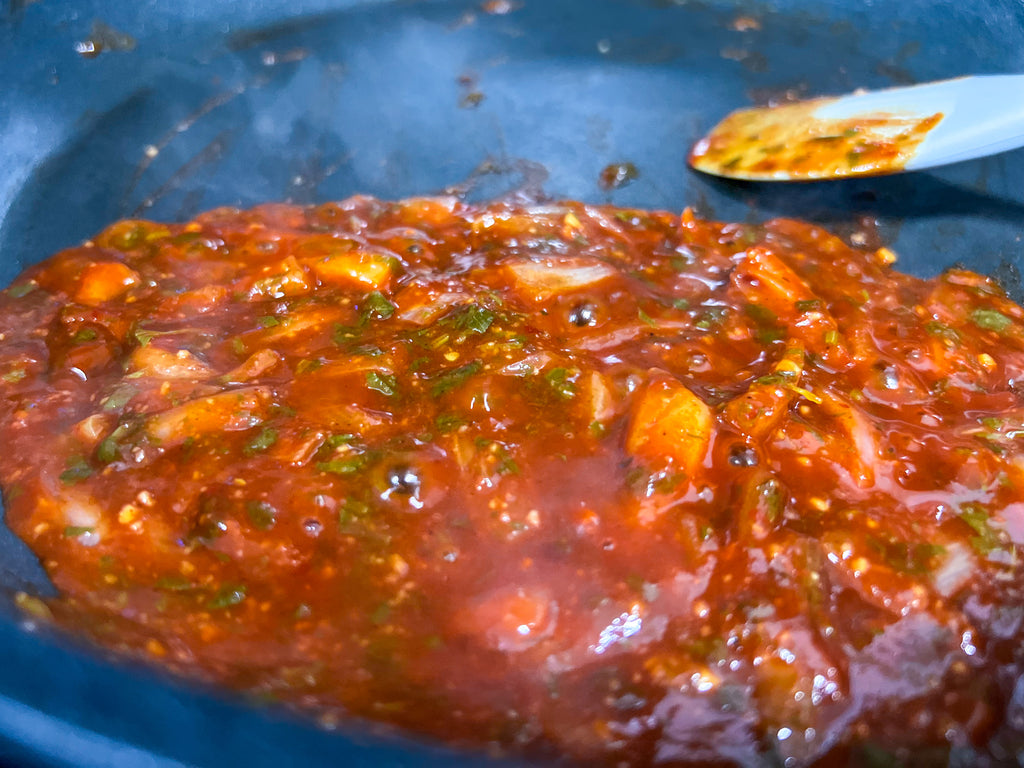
[{"x": 869, "y": 132}]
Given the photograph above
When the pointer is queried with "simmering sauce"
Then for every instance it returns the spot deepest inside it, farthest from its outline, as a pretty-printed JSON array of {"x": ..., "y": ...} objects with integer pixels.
[{"x": 615, "y": 486}]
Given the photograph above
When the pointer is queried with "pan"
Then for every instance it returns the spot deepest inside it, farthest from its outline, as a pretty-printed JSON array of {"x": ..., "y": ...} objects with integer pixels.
[{"x": 164, "y": 108}]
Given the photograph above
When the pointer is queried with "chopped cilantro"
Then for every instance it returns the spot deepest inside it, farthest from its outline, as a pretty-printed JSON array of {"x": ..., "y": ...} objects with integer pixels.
[
  {"x": 340, "y": 439},
  {"x": 560, "y": 380},
  {"x": 108, "y": 450},
  {"x": 347, "y": 466},
  {"x": 806, "y": 305},
  {"x": 74, "y": 531},
  {"x": 471, "y": 317},
  {"x": 85, "y": 334},
  {"x": 711, "y": 318},
  {"x": 771, "y": 494},
  {"x": 943, "y": 331},
  {"x": 990, "y": 320},
  {"x": 645, "y": 317},
  {"x": 174, "y": 583},
  {"x": 268, "y": 321},
  {"x": 14, "y": 375},
  {"x": 21, "y": 290},
  {"x": 262, "y": 514},
  {"x": 227, "y": 596},
  {"x": 977, "y": 517},
  {"x": 760, "y": 313},
  {"x": 452, "y": 379},
  {"x": 378, "y": 306},
  {"x": 344, "y": 334},
  {"x": 351, "y": 509},
  {"x": 76, "y": 469},
  {"x": 448, "y": 422},
  {"x": 366, "y": 350},
  {"x": 261, "y": 442},
  {"x": 385, "y": 383}
]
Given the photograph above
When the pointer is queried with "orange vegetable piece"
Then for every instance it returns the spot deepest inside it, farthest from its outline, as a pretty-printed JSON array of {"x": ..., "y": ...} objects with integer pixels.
[
  {"x": 670, "y": 422},
  {"x": 104, "y": 280},
  {"x": 358, "y": 267}
]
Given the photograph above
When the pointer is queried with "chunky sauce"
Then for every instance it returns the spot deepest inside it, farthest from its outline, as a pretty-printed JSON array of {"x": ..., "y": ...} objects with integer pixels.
[
  {"x": 619, "y": 486},
  {"x": 791, "y": 142}
]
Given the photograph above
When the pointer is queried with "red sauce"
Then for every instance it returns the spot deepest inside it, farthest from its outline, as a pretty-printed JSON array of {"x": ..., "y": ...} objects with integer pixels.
[{"x": 617, "y": 486}]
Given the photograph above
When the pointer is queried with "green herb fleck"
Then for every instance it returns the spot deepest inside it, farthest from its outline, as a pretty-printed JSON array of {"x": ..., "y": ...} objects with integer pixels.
[
  {"x": 74, "y": 531},
  {"x": 261, "y": 442},
  {"x": 108, "y": 450},
  {"x": 471, "y": 317},
  {"x": 385, "y": 383},
  {"x": 21, "y": 290},
  {"x": 352, "y": 509},
  {"x": 227, "y": 596},
  {"x": 769, "y": 335},
  {"x": 452, "y": 379},
  {"x": 14, "y": 375},
  {"x": 85, "y": 334},
  {"x": 307, "y": 365},
  {"x": 807, "y": 305},
  {"x": 261, "y": 514},
  {"x": 760, "y": 313},
  {"x": 346, "y": 466},
  {"x": 366, "y": 350},
  {"x": 645, "y": 317},
  {"x": 942, "y": 331},
  {"x": 268, "y": 321},
  {"x": 76, "y": 469},
  {"x": 448, "y": 422},
  {"x": 340, "y": 439},
  {"x": 771, "y": 495},
  {"x": 377, "y": 305},
  {"x": 174, "y": 583},
  {"x": 711, "y": 318},
  {"x": 561, "y": 381},
  {"x": 990, "y": 320},
  {"x": 977, "y": 517}
]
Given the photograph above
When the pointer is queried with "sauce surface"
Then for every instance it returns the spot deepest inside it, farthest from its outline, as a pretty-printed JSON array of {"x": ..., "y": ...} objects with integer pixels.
[
  {"x": 614, "y": 486},
  {"x": 791, "y": 142}
]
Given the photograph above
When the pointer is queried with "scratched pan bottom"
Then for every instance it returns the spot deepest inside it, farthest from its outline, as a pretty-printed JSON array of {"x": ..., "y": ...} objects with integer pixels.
[{"x": 204, "y": 104}]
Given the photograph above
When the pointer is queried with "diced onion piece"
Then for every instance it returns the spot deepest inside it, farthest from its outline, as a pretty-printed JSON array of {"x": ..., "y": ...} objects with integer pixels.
[
  {"x": 956, "y": 569},
  {"x": 670, "y": 422},
  {"x": 254, "y": 365},
  {"x": 104, "y": 280},
  {"x": 90, "y": 429},
  {"x": 164, "y": 364},
  {"x": 286, "y": 278},
  {"x": 230, "y": 411},
  {"x": 422, "y": 304},
  {"x": 358, "y": 267},
  {"x": 539, "y": 280}
]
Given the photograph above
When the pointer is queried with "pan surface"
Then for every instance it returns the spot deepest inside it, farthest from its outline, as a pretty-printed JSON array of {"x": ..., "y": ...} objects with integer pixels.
[{"x": 165, "y": 108}]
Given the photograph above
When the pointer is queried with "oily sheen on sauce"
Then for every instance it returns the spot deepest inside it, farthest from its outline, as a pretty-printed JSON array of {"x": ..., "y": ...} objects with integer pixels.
[{"x": 612, "y": 486}]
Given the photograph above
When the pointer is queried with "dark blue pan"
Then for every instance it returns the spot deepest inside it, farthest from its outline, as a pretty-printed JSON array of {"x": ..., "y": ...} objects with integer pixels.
[{"x": 313, "y": 100}]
